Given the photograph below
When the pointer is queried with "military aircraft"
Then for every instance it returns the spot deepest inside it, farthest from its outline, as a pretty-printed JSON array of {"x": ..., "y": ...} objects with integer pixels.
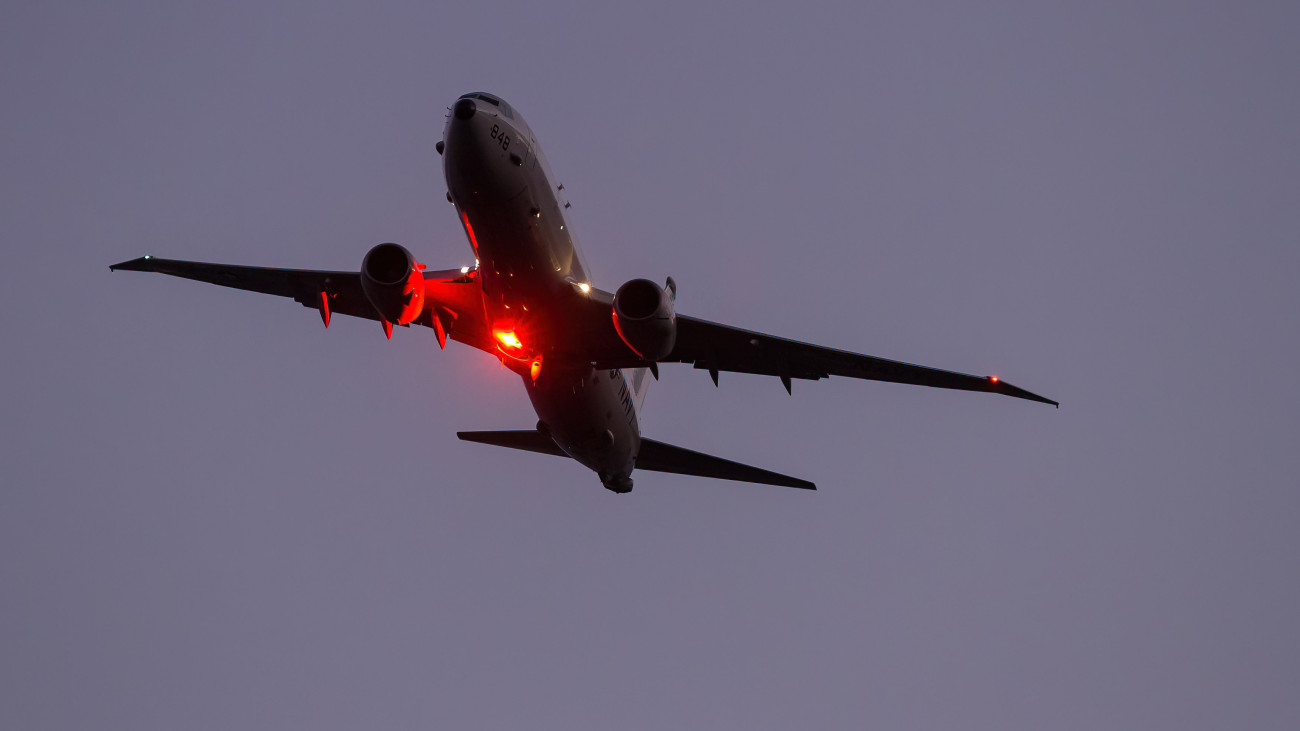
[{"x": 582, "y": 353}]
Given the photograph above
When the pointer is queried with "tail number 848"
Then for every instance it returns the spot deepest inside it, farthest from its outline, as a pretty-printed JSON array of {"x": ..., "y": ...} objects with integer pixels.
[{"x": 501, "y": 137}]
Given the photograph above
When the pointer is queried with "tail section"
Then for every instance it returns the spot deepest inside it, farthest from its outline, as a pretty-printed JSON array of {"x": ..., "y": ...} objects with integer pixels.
[
  {"x": 654, "y": 457},
  {"x": 660, "y": 457},
  {"x": 529, "y": 441}
]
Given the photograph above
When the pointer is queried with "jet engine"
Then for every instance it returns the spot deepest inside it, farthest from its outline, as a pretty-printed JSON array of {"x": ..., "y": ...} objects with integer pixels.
[
  {"x": 393, "y": 282},
  {"x": 644, "y": 318}
]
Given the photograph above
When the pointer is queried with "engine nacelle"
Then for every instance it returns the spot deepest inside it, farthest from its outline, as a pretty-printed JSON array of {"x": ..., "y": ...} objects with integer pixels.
[
  {"x": 393, "y": 282},
  {"x": 644, "y": 318}
]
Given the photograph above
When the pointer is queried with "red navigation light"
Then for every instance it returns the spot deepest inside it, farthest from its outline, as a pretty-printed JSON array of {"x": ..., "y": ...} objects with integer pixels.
[
  {"x": 508, "y": 339},
  {"x": 993, "y": 378},
  {"x": 515, "y": 339}
]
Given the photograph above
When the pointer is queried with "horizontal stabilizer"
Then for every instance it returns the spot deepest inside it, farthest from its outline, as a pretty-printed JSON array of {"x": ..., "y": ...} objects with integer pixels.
[
  {"x": 660, "y": 457},
  {"x": 529, "y": 441},
  {"x": 654, "y": 457}
]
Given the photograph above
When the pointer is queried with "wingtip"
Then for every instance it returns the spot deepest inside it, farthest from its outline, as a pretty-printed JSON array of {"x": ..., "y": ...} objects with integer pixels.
[
  {"x": 1006, "y": 389},
  {"x": 795, "y": 482},
  {"x": 139, "y": 264},
  {"x": 1040, "y": 399},
  {"x": 781, "y": 480}
]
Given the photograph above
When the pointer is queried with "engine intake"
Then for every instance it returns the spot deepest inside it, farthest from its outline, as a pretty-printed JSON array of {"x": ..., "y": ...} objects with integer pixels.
[
  {"x": 393, "y": 282},
  {"x": 644, "y": 318}
]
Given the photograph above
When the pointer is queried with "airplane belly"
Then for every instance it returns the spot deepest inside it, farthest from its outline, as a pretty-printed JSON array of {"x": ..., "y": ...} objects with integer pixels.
[
  {"x": 509, "y": 208},
  {"x": 521, "y": 243},
  {"x": 591, "y": 417}
]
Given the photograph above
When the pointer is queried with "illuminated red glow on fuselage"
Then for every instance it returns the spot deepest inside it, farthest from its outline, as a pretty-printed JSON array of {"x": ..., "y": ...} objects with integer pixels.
[{"x": 473, "y": 241}]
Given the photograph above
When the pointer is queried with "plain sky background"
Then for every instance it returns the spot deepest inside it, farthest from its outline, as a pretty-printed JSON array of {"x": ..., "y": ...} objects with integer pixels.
[{"x": 216, "y": 514}]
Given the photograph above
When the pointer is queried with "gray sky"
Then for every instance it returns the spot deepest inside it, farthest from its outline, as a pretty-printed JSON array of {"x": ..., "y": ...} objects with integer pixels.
[{"x": 216, "y": 514}]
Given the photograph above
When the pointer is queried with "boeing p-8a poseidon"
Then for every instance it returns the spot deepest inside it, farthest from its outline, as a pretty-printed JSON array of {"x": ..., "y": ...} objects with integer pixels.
[{"x": 583, "y": 354}]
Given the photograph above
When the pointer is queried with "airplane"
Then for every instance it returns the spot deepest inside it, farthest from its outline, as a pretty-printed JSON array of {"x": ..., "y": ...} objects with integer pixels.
[{"x": 583, "y": 353}]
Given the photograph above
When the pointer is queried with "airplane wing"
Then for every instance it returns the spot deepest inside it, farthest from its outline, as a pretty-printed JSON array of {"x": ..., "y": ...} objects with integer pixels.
[
  {"x": 715, "y": 347},
  {"x": 324, "y": 291}
]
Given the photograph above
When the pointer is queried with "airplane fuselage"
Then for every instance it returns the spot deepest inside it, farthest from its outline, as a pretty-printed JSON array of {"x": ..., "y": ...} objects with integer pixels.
[{"x": 531, "y": 274}]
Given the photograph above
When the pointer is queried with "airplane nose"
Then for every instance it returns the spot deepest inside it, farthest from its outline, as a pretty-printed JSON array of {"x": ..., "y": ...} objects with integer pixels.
[{"x": 464, "y": 108}]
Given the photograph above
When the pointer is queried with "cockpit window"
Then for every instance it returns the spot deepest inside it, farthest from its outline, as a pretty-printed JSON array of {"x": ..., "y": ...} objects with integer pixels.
[{"x": 494, "y": 101}]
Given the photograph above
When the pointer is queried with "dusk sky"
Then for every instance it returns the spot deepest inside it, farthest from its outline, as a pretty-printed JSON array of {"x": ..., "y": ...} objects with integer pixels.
[{"x": 216, "y": 514}]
